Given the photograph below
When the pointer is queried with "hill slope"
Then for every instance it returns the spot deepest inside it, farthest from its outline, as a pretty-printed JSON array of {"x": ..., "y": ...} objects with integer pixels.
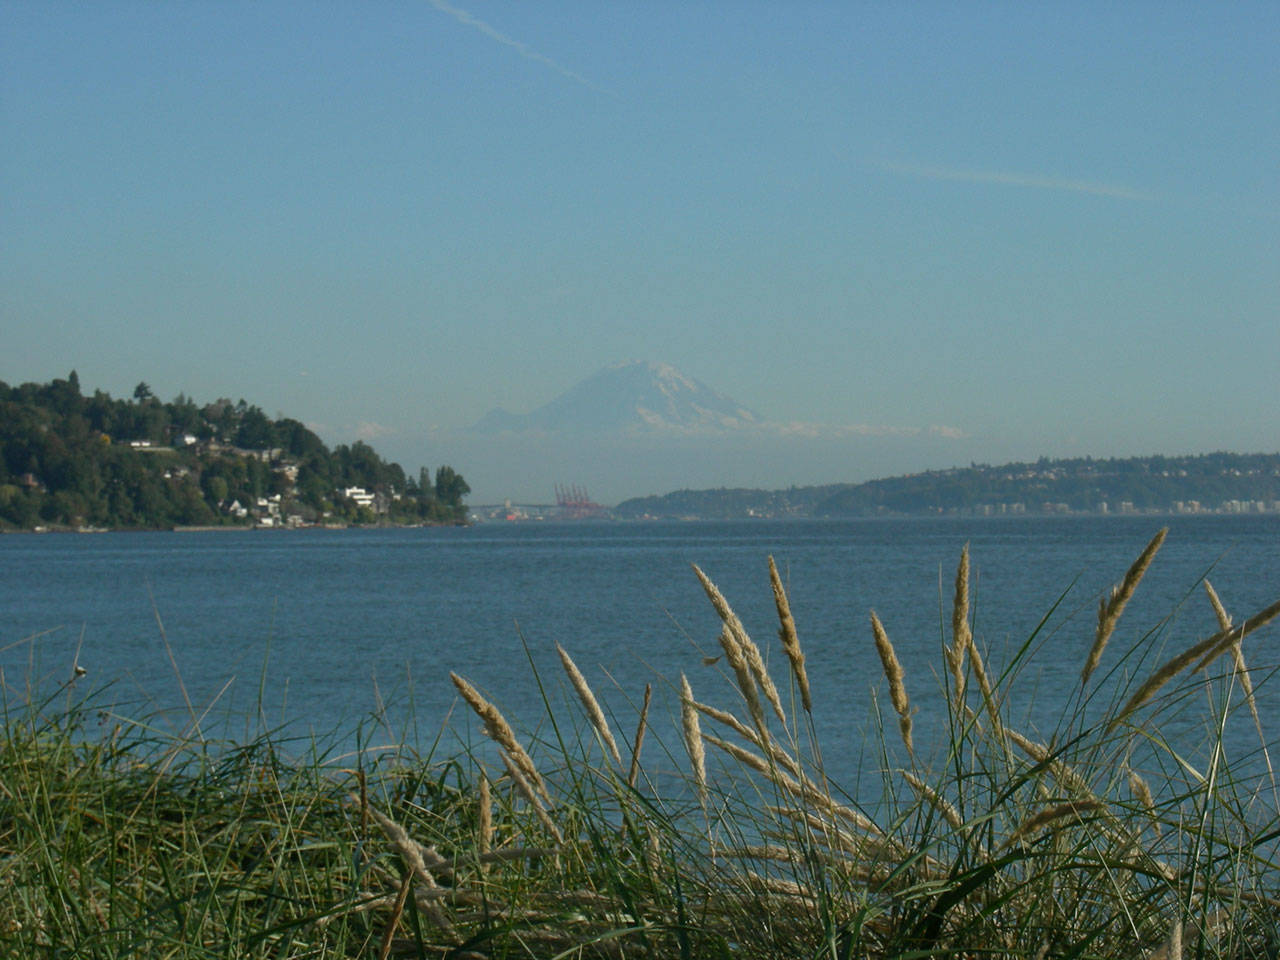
[
  {"x": 1216, "y": 482},
  {"x": 69, "y": 460}
]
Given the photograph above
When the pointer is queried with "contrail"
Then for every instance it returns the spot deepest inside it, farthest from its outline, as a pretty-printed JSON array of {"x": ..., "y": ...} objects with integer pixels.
[
  {"x": 521, "y": 48},
  {"x": 1017, "y": 180}
]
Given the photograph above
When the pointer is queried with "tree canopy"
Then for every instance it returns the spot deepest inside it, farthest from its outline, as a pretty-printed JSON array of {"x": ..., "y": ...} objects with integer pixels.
[{"x": 71, "y": 460}]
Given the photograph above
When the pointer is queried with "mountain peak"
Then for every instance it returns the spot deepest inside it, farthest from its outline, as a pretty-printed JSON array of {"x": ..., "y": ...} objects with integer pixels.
[{"x": 631, "y": 396}]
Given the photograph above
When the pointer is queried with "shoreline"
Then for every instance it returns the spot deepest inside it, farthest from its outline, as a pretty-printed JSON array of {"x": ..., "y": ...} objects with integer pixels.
[
  {"x": 229, "y": 528},
  {"x": 1161, "y": 515}
]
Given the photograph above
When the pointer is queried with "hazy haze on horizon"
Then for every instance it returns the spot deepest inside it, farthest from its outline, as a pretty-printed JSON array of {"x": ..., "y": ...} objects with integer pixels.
[{"x": 1049, "y": 230}]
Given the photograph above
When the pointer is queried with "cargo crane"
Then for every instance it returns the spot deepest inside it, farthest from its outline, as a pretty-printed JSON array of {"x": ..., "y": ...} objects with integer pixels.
[{"x": 575, "y": 503}]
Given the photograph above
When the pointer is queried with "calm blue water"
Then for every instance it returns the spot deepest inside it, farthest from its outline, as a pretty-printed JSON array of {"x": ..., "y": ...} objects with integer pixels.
[{"x": 328, "y": 629}]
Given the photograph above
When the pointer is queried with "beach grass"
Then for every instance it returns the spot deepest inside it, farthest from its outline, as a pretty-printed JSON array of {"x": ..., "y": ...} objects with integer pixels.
[{"x": 580, "y": 833}]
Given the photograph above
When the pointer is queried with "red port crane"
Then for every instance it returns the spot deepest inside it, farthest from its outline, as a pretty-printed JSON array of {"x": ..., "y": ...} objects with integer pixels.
[{"x": 575, "y": 503}]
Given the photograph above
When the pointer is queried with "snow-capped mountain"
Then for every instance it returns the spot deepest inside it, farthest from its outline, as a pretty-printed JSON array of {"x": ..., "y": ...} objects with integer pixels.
[{"x": 631, "y": 397}]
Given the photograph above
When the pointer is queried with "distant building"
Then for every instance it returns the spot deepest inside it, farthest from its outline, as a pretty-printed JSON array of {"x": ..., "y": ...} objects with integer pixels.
[{"x": 360, "y": 496}]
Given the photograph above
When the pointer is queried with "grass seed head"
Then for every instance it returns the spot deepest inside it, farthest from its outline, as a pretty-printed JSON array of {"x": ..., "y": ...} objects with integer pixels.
[
  {"x": 737, "y": 660},
  {"x": 961, "y": 637},
  {"x": 1110, "y": 608},
  {"x": 1054, "y": 815},
  {"x": 486, "y": 816},
  {"x": 787, "y": 634},
  {"x": 589, "y": 703},
  {"x": 500, "y": 732},
  {"x": 750, "y": 652},
  {"x": 894, "y": 674},
  {"x": 1209, "y": 649},
  {"x": 935, "y": 800},
  {"x": 693, "y": 738},
  {"x": 1219, "y": 611}
]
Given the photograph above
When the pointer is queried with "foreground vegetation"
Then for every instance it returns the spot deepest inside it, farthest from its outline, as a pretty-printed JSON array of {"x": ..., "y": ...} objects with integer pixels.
[{"x": 1102, "y": 840}]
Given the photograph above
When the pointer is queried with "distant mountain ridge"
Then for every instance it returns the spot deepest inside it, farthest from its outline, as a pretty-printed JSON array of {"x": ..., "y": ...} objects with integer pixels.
[
  {"x": 630, "y": 397},
  {"x": 1207, "y": 483}
]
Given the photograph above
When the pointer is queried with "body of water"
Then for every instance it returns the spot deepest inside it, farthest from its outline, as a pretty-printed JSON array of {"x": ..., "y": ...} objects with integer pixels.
[{"x": 326, "y": 630}]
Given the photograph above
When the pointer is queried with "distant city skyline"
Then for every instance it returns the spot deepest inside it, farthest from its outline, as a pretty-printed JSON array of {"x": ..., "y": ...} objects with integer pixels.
[{"x": 1044, "y": 230}]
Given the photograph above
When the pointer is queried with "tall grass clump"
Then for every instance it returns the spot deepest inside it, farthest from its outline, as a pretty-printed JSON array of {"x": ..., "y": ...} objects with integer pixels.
[{"x": 1104, "y": 836}]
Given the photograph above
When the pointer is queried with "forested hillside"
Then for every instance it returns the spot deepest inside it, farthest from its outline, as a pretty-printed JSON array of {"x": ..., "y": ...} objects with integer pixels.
[
  {"x": 1208, "y": 483},
  {"x": 71, "y": 460}
]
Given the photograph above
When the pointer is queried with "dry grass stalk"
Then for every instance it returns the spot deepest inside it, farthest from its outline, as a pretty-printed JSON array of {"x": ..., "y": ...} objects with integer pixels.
[
  {"x": 428, "y": 858},
  {"x": 778, "y": 887},
  {"x": 718, "y": 601},
  {"x": 363, "y": 780},
  {"x": 1036, "y": 751},
  {"x": 415, "y": 858},
  {"x": 486, "y": 816},
  {"x": 526, "y": 790},
  {"x": 756, "y": 662},
  {"x": 764, "y": 743},
  {"x": 1209, "y": 649},
  {"x": 1219, "y": 611},
  {"x": 1138, "y": 786},
  {"x": 693, "y": 738},
  {"x": 935, "y": 800},
  {"x": 653, "y": 854},
  {"x": 589, "y": 703},
  {"x": 1246, "y": 684},
  {"x": 366, "y": 902},
  {"x": 769, "y": 851},
  {"x": 633, "y": 773},
  {"x": 1226, "y": 638},
  {"x": 758, "y": 763},
  {"x": 500, "y": 732},
  {"x": 1171, "y": 949},
  {"x": 787, "y": 634},
  {"x": 984, "y": 686},
  {"x": 1070, "y": 808},
  {"x": 1237, "y": 649},
  {"x": 836, "y": 838},
  {"x": 797, "y": 785},
  {"x": 737, "y": 660},
  {"x": 518, "y": 853},
  {"x": 1062, "y": 772},
  {"x": 750, "y": 651},
  {"x": 730, "y": 721},
  {"x": 894, "y": 673},
  {"x": 961, "y": 636},
  {"x": 1242, "y": 668},
  {"x": 397, "y": 910},
  {"x": 1110, "y": 608},
  {"x": 802, "y": 788}
]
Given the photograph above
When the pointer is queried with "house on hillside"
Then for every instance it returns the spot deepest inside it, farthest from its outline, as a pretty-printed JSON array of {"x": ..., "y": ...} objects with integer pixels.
[{"x": 360, "y": 496}]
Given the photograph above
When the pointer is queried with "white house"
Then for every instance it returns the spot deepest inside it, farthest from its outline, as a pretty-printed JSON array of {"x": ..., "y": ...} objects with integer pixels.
[{"x": 360, "y": 495}]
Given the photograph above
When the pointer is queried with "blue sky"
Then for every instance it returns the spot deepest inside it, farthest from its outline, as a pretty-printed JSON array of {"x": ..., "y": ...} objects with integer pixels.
[{"x": 1054, "y": 228}]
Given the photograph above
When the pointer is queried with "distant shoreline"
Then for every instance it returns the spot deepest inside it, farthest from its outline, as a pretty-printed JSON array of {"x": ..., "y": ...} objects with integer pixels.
[
  {"x": 613, "y": 520},
  {"x": 42, "y": 530}
]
